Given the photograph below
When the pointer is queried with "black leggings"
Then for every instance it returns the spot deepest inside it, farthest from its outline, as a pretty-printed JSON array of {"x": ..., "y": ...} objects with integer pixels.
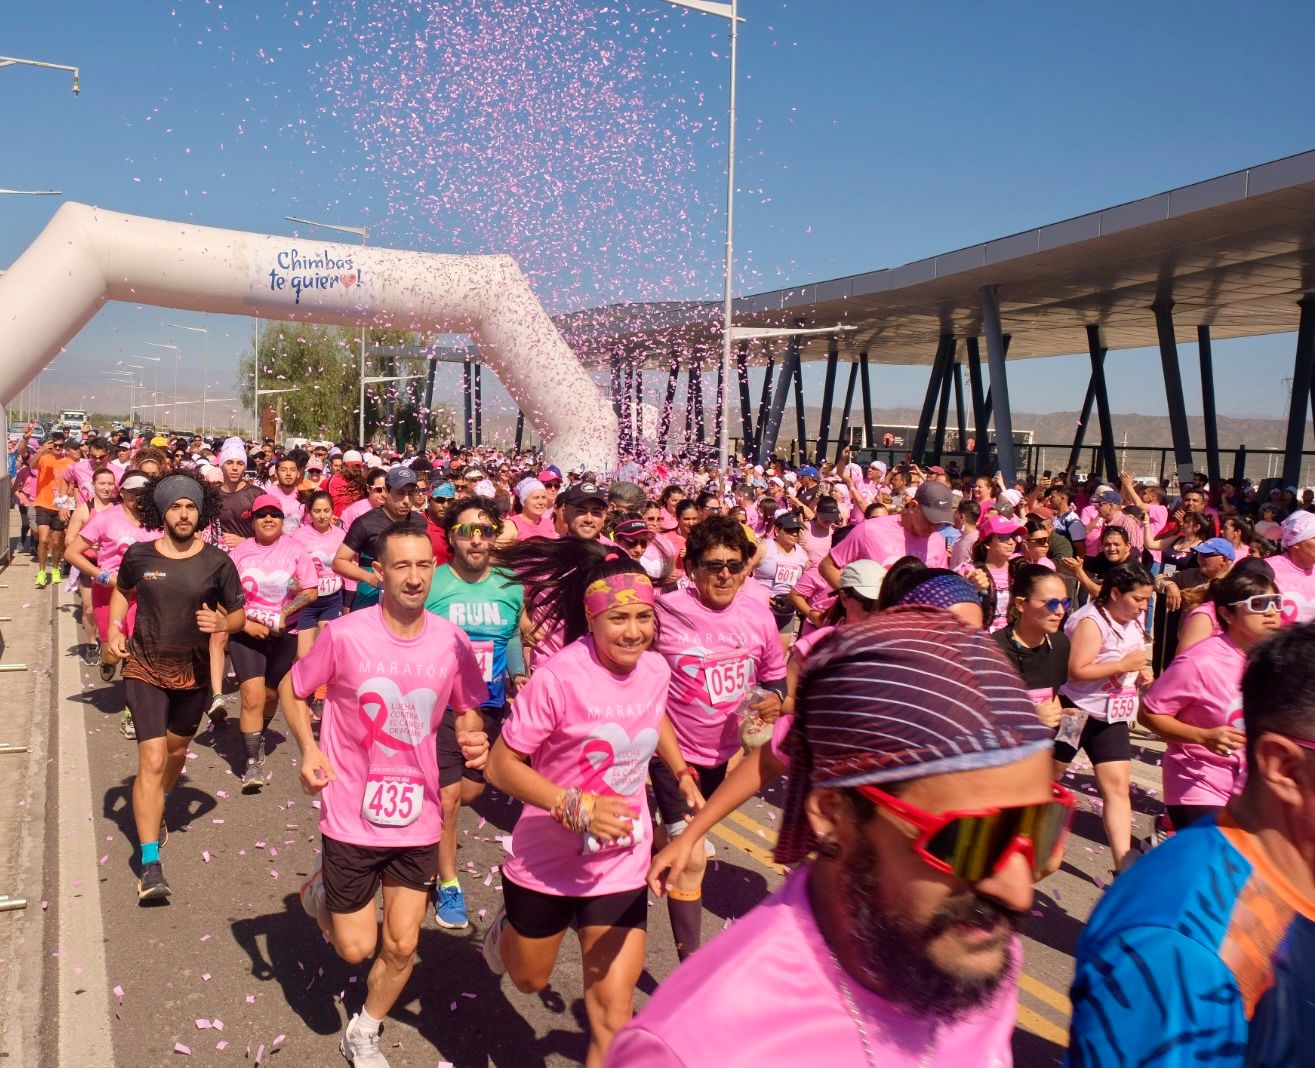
[{"x": 1182, "y": 816}]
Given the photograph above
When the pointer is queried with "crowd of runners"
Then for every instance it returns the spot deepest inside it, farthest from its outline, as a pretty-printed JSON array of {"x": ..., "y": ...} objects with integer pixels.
[{"x": 632, "y": 655}]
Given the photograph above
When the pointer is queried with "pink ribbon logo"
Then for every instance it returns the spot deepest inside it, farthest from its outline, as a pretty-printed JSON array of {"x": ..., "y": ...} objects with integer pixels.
[{"x": 376, "y": 725}]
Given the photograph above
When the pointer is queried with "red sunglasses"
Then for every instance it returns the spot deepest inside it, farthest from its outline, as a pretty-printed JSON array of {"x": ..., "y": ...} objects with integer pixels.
[{"x": 977, "y": 843}]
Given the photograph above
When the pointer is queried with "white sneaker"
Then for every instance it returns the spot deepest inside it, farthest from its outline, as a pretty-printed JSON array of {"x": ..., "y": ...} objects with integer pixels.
[
  {"x": 312, "y": 894},
  {"x": 492, "y": 938},
  {"x": 360, "y": 1049}
]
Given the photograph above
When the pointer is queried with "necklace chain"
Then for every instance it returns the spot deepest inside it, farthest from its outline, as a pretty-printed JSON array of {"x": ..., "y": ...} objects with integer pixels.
[{"x": 869, "y": 1055}]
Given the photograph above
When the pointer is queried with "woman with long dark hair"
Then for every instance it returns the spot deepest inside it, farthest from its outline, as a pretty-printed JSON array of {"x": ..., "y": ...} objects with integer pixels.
[
  {"x": 1107, "y": 670},
  {"x": 1033, "y": 639},
  {"x": 575, "y": 749}
]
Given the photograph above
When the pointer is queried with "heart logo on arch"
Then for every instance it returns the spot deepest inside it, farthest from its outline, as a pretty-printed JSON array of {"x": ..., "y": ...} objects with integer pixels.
[
  {"x": 611, "y": 757},
  {"x": 347, "y": 280},
  {"x": 393, "y": 720}
]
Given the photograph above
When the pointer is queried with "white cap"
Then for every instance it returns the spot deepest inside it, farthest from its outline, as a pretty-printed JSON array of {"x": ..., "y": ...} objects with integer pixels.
[{"x": 351, "y": 456}]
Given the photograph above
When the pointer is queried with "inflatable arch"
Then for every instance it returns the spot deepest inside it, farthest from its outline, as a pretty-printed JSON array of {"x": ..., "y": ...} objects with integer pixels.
[{"x": 86, "y": 256}]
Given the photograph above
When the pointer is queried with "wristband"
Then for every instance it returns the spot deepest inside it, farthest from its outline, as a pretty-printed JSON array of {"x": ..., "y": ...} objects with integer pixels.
[
  {"x": 690, "y": 771},
  {"x": 103, "y": 578}
]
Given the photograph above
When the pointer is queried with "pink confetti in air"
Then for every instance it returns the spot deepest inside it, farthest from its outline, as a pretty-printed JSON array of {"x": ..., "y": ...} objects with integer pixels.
[{"x": 186, "y": 1051}]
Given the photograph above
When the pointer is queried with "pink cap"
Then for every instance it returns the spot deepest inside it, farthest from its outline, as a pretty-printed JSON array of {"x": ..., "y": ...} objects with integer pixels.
[
  {"x": 266, "y": 500},
  {"x": 998, "y": 524}
]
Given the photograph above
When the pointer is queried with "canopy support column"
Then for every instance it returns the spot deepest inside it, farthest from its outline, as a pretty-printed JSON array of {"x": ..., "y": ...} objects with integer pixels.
[
  {"x": 801, "y": 427},
  {"x": 828, "y": 398},
  {"x": 746, "y": 405},
  {"x": 1303, "y": 374},
  {"x": 721, "y": 401},
  {"x": 469, "y": 396},
  {"x": 520, "y": 429},
  {"x": 479, "y": 403},
  {"x": 943, "y": 410},
  {"x": 996, "y": 351},
  {"x": 1173, "y": 390},
  {"x": 843, "y": 439},
  {"x": 980, "y": 447},
  {"x": 789, "y": 369},
  {"x": 934, "y": 384},
  {"x": 764, "y": 402},
  {"x": 1097, "y": 353},
  {"x": 869, "y": 432},
  {"x": 669, "y": 402},
  {"x": 959, "y": 405},
  {"x": 1208, "y": 406}
]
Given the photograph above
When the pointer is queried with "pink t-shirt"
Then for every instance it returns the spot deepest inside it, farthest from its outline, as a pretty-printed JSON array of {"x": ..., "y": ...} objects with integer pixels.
[
  {"x": 1203, "y": 688},
  {"x": 294, "y": 512},
  {"x": 815, "y": 545},
  {"x": 582, "y": 725},
  {"x": 354, "y": 511},
  {"x": 1297, "y": 587},
  {"x": 804, "y": 645},
  {"x": 814, "y": 589},
  {"x": 884, "y": 539},
  {"x": 715, "y": 656},
  {"x": 767, "y": 991},
  {"x": 544, "y": 528},
  {"x": 110, "y": 532},
  {"x": 322, "y": 548},
  {"x": 385, "y": 701},
  {"x": 272, "y": 575}
]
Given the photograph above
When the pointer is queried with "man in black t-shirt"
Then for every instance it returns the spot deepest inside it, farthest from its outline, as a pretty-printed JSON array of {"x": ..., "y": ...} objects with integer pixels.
[
  {"x": 236, "y": 494},
  {"x": 359, "y": 548},
  {"x": 185, "y": 591}
]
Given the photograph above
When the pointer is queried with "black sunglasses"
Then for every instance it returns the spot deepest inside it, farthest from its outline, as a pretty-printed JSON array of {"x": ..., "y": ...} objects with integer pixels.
[{"x": 716, "y": 567}]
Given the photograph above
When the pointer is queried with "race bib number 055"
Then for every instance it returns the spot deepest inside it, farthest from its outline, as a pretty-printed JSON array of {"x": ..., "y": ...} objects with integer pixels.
[{"x": 726, "y": 677}]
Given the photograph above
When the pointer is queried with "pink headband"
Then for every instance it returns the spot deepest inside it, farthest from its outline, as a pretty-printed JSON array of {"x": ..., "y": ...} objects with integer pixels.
[{"x": 624, "y": 589}]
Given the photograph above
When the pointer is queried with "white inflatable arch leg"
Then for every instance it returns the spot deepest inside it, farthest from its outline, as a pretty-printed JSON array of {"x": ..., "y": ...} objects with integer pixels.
[{"x": 86, "y": 256}]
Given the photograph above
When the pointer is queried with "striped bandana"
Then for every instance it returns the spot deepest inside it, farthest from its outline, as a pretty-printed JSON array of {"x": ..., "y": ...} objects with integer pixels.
[{"x": 910, "y": 694}]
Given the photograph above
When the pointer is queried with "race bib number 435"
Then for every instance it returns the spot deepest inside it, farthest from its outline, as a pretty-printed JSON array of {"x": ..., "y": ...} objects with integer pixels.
[{"x": 393, "y": 798}]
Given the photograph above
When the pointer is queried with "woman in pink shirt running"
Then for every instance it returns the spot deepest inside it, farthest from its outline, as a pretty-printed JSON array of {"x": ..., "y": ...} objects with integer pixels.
[
  {"x": 575, "y": 749},
  {"x": 1196, "y": 705}
]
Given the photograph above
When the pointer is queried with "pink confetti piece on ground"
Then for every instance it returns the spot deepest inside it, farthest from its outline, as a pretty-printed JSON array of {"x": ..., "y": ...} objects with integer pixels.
[
  {"x": 218, "y": 1025},
  {"x": 104, "y": 858},
  {"x": 205, "y": 938},
  {"x": 221, "y": 1045},
  {"x": 216, "y": 821},
  {"x": 260, "y": 1053},
  {"x": 251, "y": 999},
  {"x": 118, "y": 992},
  {"x": 203, "y": 1025},
  {"x": 279, "y": 1040},
  {"x": 184, "y": 1050},
  {"x": 205, "y": 855},
  {"x": 205, "y": 977}
]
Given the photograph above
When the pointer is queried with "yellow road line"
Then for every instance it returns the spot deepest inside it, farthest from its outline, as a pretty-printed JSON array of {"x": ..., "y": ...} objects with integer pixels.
[
  {"x": 761, "y": 855},
  {"x": 768, "y": 835},
  {"x": 1048, "y": 994},
  {"x": 1033, "y": 1021}
]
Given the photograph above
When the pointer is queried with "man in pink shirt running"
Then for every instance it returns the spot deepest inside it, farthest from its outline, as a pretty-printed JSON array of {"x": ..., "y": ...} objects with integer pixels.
[
  {"x": 886, "y": 538},
  {"x": 931, "y": 812}
]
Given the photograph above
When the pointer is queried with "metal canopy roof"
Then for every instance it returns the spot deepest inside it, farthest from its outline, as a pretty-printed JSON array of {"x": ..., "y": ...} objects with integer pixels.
[{"x": 1234, "y": 252}]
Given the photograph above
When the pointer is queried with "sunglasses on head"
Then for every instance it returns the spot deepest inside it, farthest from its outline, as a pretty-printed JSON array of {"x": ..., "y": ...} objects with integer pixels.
[
  {"x": 470, "y": 530},
  {"x": 977, "y": 843},
  {"x": 1258, "y": 604},
  {"x": 716, "y": 567}
]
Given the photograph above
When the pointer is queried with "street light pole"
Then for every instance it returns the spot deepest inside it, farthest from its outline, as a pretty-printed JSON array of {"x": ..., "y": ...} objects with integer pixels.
[
  {"x": 14, "y": 61},
  {"x": 205, "y": 366},
  {"x": 728, "y": 11},
  {"x": 364, "y": 234}
]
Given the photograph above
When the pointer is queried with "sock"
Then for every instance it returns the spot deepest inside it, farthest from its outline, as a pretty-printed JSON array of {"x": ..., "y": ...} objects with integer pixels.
[
  {"x": 150, "y": 852},
  {"x": 445, "y": 884},
  {"x": 255, "y": 743},
  {"x": 366, "y": 1023},
  {"x": 685, "y": 907}
]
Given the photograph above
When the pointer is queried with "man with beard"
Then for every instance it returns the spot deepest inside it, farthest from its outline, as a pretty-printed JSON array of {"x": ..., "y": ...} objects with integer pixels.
[
  {"x": 184, "y": 591},
  {"x": 486, "y": 604},
  {"x": 931, "y": 812}
]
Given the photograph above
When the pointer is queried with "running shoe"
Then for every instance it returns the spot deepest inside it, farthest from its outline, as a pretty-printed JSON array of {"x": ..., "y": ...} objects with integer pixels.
[
  {"x": 218, "y": 712},
  {"x": 56, "y": 575},
  {"x": 91, "y": 653},
  {"x": 43, "y": 580},
  {"x": 255, "y": 777},
  {"x": 492, "y": 943},
  {"x": 360, "y": 1049},
  {"x": 152, "y": 885},
  {"x": 312, "y": 894},
  {"x": 164, "y": 833},
  {"x": 107, "y": 673},
  {"x": 126, "y": 726},
  {"x": 450, "y": 908}
]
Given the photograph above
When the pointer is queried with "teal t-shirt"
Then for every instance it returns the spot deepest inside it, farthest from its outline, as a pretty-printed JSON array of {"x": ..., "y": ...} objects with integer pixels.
[{"x": 489, "y": 612}]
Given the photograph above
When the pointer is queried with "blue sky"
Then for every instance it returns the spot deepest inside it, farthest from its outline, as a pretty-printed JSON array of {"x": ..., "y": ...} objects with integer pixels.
[{"x": 871, "y": 134}]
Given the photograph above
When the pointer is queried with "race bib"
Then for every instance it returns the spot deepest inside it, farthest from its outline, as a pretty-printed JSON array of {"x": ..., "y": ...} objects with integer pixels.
[
  {"x": 726, "y": 676},
  {"x": 788, "y": 574},
  {"x": 484, "y": 656},
  {"x": 329, "y": 584},
  {"x": 1121, "y": 707},
  {"x": 267, "y": 616},
  {"x": 393, "y": 796},
  {"x": 627, "y": 841}
]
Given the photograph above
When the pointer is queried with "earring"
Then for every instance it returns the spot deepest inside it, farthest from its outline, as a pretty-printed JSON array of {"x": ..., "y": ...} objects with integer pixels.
[{"x": 827, "y": 847}]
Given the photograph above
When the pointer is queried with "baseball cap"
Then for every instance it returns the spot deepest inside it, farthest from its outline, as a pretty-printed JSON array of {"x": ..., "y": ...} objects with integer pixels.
[
  {"x": 808, "y": 472},
  {"x": 549, "y": 474},
  {"x": 473, "y": 474},
  {"x": 399, "y": 477},
  {"x": 828, "y": 508},
  {"x": 1042, "y": 512},
  {"x": 1216, "y": 547},
  {"x": 863, "y": 577},
  {"x": 351, "y": 456},
  {"x": 631, "y": 529},
  {"x": 581, "y": 492},
  {"x": 997, "y": 524},
  {"x": 1298, "y": 527},
  {"x": 936, "y": 502},
  {"x": 937, "y": 470},
  {"x": 625, "y": 493},
  {"x": 159, "y": 440},
  {"x": 789, "y": 521},
  {"x": 135, "y": 481},
  {"x": 266, "y": 502},
  {"x": 444, "y": 491},
  {"x": 1108, "y": 497},
  {"x": 791, "y": 477}
]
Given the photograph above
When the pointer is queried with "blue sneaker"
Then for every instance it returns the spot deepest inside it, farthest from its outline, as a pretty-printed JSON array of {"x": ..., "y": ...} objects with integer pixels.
[{"x": 450, "y": 909}]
